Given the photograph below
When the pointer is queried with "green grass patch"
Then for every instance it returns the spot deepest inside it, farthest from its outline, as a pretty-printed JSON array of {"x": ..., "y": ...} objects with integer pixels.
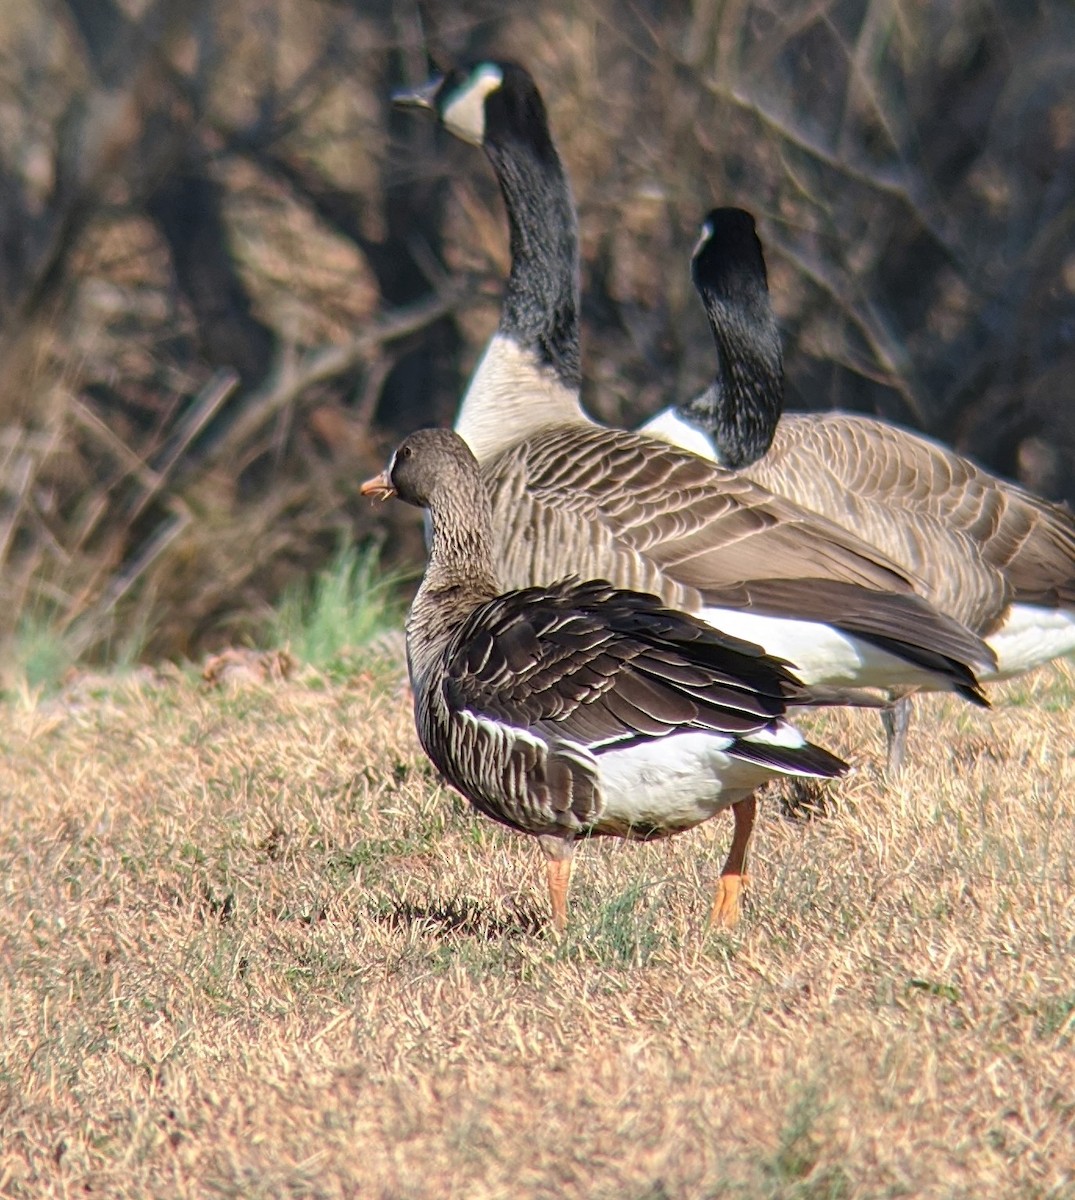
[
  {"x": 40, "y": 654},
  {"x": 324, "y": 621}
]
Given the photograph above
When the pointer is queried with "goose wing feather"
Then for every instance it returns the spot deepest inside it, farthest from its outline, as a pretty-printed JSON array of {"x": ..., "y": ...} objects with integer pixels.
[
  {"x": 537, "y": 683},
  {"x": 623, "y": 506},
  {"x": 587, "y": 663},
  {"x": 708, "y": 527},
  {"x": 998, "y": 543}
]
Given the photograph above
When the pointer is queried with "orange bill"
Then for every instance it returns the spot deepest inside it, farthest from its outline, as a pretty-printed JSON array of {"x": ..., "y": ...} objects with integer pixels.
[{"x": 379, "y": 486}]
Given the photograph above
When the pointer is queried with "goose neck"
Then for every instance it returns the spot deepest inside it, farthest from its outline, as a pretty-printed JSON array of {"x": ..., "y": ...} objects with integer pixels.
[
  {"x": 742, "y": 406},
  {"x": 541, "y": 304},
  {"x": 459, "y": 576},
  {"x": 460, "y": 563}
]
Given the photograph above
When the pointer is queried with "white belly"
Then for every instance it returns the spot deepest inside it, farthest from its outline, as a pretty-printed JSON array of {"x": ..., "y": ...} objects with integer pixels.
[
  {"x": 819, "y": 654},
  {"x": 1029, "y": 637},
  {"x": 679, "y": 781}
]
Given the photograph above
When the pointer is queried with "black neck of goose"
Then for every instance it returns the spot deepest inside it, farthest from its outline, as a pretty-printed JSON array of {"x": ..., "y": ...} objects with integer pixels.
[
  {"x": 741, "y": 408},
  {"x": 541, "y": 304}
]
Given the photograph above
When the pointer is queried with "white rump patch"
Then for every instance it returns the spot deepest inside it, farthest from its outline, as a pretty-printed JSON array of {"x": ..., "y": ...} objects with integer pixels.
[
  {"x": 821, "y": 654},
  {"x": 1030, "y": 636},
  {"x": 464, "y": 113},
  {"x": 674, "y": 782}
]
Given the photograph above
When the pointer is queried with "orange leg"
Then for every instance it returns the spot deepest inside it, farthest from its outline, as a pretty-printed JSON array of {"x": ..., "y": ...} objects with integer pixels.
[
  {"x": 725, "y": 910},
  {"x": 558, "y": 856}
]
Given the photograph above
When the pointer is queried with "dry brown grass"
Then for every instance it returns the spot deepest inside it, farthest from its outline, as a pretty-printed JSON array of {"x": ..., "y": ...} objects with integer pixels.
[{"x": 252, "y": 948}]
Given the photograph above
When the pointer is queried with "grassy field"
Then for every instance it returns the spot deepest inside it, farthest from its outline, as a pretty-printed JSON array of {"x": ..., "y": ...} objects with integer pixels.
[{"x": 252, "y": 948}]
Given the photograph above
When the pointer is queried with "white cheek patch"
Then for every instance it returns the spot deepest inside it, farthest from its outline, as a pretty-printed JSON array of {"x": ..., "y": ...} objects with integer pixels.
[
  {"x": 703, "y": 237},
  {"x": 464, "y": 114}
]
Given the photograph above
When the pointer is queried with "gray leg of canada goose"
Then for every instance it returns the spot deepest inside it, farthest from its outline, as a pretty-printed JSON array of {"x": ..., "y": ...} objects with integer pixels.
[
  {"x": 896, "y": 720},
  {"x": 558, "y": 855},
  {"x": 725, "y": 910}
]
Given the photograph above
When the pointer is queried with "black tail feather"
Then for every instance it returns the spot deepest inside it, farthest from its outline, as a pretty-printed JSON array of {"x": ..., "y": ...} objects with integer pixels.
[{"x": 807, "y": 759}]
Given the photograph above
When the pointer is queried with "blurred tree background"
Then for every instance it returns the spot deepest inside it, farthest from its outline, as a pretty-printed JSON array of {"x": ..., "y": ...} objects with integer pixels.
[{"x": 231, "y": 275}]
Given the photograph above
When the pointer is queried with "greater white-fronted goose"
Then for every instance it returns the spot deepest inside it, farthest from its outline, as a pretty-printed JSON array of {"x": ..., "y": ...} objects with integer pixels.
[
  {"x": 580, "y": 709},
  {"x": 570, "y": 496},
  {"x": 989, "y": 553}
]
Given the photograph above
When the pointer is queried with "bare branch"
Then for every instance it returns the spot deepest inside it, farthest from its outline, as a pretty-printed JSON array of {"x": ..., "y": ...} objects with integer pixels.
[
  {"x": 888, "y": 351},
  {"x": 888, "y": 183},
  {"x": 287, "y": 382}
]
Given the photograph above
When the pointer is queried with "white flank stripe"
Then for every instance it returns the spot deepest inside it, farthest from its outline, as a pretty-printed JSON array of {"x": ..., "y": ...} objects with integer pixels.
[
  {"x": 819, "y": 654},
  {"x": 1029, "y": 637},
  {"x": 783, "y": 735},
  {"x": 503, "y": 732}
]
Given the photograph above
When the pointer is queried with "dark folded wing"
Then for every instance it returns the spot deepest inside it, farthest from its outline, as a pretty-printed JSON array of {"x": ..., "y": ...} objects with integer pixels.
[
  {"x": 603, "y": 666},
  {"x": 706, "y": 526}
]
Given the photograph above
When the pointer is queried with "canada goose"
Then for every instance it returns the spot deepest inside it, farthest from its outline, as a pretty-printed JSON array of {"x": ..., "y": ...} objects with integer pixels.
[
  {"x": 989, "y": 553},
  {"x": 571, "y": 496},
  {"x": 532, "y": 360},
  {"x": 580, "y": 709}
]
